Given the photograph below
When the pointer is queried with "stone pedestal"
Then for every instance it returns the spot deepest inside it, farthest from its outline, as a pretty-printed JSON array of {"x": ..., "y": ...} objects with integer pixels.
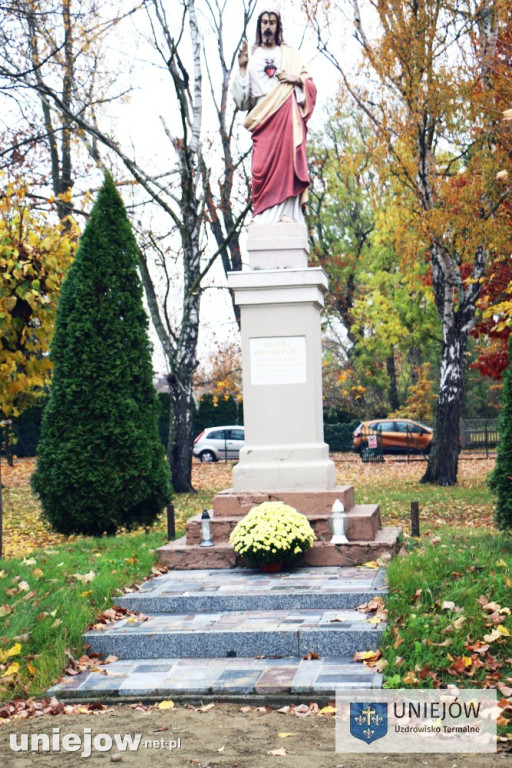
[
  {"x": 285, "y": 457},
  {"x": 282, "y": 364}
]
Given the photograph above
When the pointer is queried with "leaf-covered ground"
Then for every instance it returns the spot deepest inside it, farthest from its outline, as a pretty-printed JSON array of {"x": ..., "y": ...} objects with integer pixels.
[{"x": 393, "y": 484}]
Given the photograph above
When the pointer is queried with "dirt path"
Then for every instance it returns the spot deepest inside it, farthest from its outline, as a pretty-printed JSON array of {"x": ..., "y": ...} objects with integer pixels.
[{"x": 221, "y": 737}]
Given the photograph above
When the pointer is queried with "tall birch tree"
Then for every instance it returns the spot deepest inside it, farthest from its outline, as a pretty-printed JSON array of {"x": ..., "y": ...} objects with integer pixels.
[{"x": 191, "y": 188}]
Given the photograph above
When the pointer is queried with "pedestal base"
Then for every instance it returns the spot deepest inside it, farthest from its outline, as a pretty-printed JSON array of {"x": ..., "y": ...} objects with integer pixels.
[{"x": 277, "y": 467}]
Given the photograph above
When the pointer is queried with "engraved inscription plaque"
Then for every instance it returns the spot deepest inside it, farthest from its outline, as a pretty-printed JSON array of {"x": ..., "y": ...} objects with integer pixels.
[{"x": 278, "y": 360}]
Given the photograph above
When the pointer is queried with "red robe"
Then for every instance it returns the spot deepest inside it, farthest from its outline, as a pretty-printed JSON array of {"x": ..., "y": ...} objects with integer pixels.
[{"x": 279, "y": 165}]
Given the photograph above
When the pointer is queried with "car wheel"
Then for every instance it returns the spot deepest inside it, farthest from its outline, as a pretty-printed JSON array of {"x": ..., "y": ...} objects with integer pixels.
[{"x": 207, "y": 456}]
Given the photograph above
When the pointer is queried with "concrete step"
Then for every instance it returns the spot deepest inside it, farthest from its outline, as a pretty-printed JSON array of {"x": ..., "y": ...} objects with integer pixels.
[
  {"x": 182, "y": 556},
  {"x": 239, "y": 589},
  {"x": 231, "y": 503},
  {"x": 243, "y": 634},
  {"x": 363, "y": 524},
  {"x": 223, "y": 678}
]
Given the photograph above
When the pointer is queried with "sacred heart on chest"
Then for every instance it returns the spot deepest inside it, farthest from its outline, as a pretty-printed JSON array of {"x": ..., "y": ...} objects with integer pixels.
[{"x": 270, "y": 68}]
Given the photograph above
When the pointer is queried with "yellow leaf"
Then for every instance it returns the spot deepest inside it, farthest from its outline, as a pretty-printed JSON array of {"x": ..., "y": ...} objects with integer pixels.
[
  {"x": 374, "y": 620},
  {"x": 329, "y": 710},
  {"x": 508, "y": 581},
  {"x": 13, "y": 651},
  {"x": 467, "y": 661},
  {"x": 370, "y": 564},
  {"x": 166, "y": 705},
  {"x": 503, "y": 630},
  {"x": 85, "y": 594},
  {"x": 37, "y": 573},
  {"x": 11, "y": 669},
  {"x": 284, "y": 735},
  {"x": 363, "y": 655},
  {"x": 501, "y": 564},
  {"x": 32, "y": 670}
]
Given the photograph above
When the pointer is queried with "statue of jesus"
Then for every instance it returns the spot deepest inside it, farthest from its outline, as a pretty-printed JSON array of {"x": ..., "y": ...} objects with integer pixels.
[{"x": 274, "y": 86}]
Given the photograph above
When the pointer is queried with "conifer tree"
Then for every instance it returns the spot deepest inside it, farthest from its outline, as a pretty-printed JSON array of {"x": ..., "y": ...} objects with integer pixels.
[
  {"x": 500, "y": 478},
  {"x": 100, "y": 463}
]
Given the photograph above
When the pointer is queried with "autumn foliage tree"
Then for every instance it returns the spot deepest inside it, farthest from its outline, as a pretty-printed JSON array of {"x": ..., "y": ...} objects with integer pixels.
[
  {"x": 100, "y": 462},
  {"x": 433, "y": 89},
  {"x": 35, "y": 253}
]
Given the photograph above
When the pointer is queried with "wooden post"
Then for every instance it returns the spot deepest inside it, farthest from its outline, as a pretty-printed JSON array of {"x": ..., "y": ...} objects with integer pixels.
[
  {"x": 415, "y": 518},
  {"x": 171, "y": 523}
]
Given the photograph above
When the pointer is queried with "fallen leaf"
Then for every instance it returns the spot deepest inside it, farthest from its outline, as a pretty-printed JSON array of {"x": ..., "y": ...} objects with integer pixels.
[
  {"x": 277, "y": 752},
  {"x": 11, "y": 669},
  {"x": 12, "y": 651},
  {"x": 503, "y": 630},
  {"x": 370, "y": 564},
  {"x": 205, "y": 707},
  {"x": 5, "y": 610},
  {"x": 284, "y": 735},
  {"x": 84, "y": 578},
  {"x": 329, "y": 710},
  {"x": 166, "y": 705}
]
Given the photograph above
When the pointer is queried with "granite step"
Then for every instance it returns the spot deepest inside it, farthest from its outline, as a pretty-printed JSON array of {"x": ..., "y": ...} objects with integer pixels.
[
  {"x": 221, "y": 678},
  {"x": 363, "y": 525},
  {"x": 182, "y": 556},
  {"x": 245, "y": 633},
  {"x": 240, "y": 589}
]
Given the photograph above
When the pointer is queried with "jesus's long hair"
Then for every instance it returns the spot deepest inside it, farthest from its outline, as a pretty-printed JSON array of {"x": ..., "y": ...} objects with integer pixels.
[{"x": 279, "y": 29}]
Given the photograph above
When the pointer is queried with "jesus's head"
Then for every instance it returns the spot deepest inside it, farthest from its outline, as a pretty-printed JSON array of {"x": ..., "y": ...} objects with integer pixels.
[{"x": 269, "y": 30}]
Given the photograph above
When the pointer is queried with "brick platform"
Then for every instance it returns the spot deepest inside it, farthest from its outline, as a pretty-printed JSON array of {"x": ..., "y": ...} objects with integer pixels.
[{"x": 367, "y": 540}]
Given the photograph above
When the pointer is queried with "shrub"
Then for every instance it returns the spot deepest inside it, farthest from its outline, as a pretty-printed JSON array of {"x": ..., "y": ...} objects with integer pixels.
[
  {"x": 100, "y": 463},
  {"x": 272, "y": 532}
]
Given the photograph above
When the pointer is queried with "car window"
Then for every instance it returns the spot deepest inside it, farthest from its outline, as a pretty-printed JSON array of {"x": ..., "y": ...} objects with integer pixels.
[
  {"x": 386, "y": 426},
  {"x": 236, "y": 434},
  {"x": 217, "y": 434}
]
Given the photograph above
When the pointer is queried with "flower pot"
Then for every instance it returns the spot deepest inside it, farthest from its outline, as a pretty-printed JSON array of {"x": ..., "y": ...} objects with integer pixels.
[{"x": 271, "y": 567}]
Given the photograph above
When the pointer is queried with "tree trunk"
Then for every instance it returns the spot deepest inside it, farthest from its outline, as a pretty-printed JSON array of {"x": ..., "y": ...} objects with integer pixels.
[
  {"x": 181, "y": 438},
  {"x": 444, "y": 457},
  {"x": 393, "y": 389}
]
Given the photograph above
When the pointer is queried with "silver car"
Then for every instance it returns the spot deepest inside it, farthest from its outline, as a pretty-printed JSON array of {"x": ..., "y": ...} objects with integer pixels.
[{"x": 217, "y": 443}]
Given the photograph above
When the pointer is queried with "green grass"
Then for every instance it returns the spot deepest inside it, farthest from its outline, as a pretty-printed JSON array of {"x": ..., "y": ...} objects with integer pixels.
[
  {"x": 426, "y": 642},
  {"x": 47, "y": 607}
]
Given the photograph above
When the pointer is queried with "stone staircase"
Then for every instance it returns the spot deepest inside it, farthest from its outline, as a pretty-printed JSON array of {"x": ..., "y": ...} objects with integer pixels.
[
  {"x": 367, "y": 539},
  {"x": 237, "y": 633}
]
